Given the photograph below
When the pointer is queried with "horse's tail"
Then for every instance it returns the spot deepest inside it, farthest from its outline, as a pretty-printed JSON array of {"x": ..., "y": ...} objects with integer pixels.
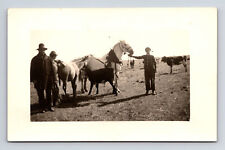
[{"x": 82, "y": 75}]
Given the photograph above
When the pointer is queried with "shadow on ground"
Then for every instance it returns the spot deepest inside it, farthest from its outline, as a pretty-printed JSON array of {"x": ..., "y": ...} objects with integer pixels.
[
  {"x": 121, "y": 100},
  {"x": 67, "y": 101}
]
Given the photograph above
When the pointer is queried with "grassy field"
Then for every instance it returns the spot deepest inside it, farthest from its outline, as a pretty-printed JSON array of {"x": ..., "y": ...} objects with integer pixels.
[{"x": 172, "y": 102}]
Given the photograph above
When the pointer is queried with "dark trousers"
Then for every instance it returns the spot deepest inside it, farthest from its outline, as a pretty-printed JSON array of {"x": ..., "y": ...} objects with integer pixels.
[
  {"x": 149, "y": 77},
  {"x": 40, "y": 91}
]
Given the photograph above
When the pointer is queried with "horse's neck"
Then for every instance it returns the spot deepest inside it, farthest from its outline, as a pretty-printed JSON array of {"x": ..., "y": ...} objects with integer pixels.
[
  {"x": 79, "y": 64},
  {"x": 118, "y": 51},
  {"x": 103, "y": 58}
]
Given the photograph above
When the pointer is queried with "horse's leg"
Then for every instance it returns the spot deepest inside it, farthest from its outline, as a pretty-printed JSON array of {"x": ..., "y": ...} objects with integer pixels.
[
  {"x": 114, "y": 88},
  {"x": 85, "y": 82},
  {"x": 64, "y": 87},
  {"x": 116, "y": 76},
  {"x": 96, "y": 88},
  {"x": 82, "y": 86},
  {"x": 116, "y": 83},
  {"x": 91, "y": 86},
  {"x": 74, "y": 85}
]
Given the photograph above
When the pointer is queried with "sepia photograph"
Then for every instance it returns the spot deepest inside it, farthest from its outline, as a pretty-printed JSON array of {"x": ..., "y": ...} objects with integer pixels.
[
  {"x": 113, "y": 66},
  {"x": 117, "y": 86},
  {"x": 110, "y": 68}
]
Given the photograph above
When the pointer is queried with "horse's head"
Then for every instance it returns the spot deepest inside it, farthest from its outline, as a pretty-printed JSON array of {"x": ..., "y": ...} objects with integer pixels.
[
  {"x": 60, "y": 64},
  {"x": 126, "y": 47}
]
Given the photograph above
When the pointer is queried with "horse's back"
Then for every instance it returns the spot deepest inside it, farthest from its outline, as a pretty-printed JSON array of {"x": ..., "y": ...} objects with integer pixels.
[
  {"x": 64, "y": 72},
  {"x": 94, "y": 64},
  {"x": 68, "y": 71}
]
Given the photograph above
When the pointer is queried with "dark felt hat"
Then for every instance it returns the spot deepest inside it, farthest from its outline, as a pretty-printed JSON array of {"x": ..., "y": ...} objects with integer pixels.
[
  {"x": 41, "y": 47},
  {"x": 53, "y": 53}
]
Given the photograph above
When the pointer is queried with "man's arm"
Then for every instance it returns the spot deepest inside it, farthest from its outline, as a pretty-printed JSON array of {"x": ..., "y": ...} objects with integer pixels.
[
  {"x": 32, "y": 71},
  {"x": 138, "y": 57}
]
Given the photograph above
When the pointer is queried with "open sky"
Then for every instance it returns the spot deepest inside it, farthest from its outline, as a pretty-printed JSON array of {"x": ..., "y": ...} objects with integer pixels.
[{"x": 94, "y": 31}]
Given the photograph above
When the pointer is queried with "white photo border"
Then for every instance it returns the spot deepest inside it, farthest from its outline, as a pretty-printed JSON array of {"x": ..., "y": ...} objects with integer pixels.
[{"x": 203, "y": 86}]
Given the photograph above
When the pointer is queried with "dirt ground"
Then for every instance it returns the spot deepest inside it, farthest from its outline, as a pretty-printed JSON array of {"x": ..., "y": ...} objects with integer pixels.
[{"x": 172, "y": 102}]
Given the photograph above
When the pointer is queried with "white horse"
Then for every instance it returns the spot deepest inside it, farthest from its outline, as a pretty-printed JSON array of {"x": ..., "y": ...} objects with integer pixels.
[
  {"x": 113, "y": 59},
  {"x": 68, "y": 72}
]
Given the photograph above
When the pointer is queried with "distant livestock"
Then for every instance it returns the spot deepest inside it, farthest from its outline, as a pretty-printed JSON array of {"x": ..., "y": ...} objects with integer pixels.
[
  {"x": 175, "y": 60},
  {"x": 132, "y": 62}
]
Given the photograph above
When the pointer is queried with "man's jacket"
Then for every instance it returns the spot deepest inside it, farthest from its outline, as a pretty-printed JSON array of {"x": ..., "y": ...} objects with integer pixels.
[{"x": 41, "y": 70}]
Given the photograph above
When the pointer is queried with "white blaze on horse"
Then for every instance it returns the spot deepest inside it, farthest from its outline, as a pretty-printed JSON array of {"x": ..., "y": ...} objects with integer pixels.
[{"x": 112, "y": 60}]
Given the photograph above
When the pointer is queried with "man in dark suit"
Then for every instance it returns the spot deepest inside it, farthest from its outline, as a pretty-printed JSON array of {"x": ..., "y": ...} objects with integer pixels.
[
  {"x": 150, "y": 69},
  {"x": 41, "y": 74}
]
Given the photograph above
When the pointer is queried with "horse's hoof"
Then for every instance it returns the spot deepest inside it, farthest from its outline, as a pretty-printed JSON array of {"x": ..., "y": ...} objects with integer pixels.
[{"x": 115, "y": 92}]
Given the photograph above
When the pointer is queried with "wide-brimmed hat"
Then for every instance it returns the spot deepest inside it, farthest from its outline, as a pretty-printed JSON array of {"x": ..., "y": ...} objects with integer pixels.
[
  {"x": 41, "y": 47},
  {"x": 147, "y": 49},
  {"x": 53, "y": 53}
]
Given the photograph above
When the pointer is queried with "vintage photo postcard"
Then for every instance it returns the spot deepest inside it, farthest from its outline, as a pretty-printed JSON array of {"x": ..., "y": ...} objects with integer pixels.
[{"x": 112, "y": 74}]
